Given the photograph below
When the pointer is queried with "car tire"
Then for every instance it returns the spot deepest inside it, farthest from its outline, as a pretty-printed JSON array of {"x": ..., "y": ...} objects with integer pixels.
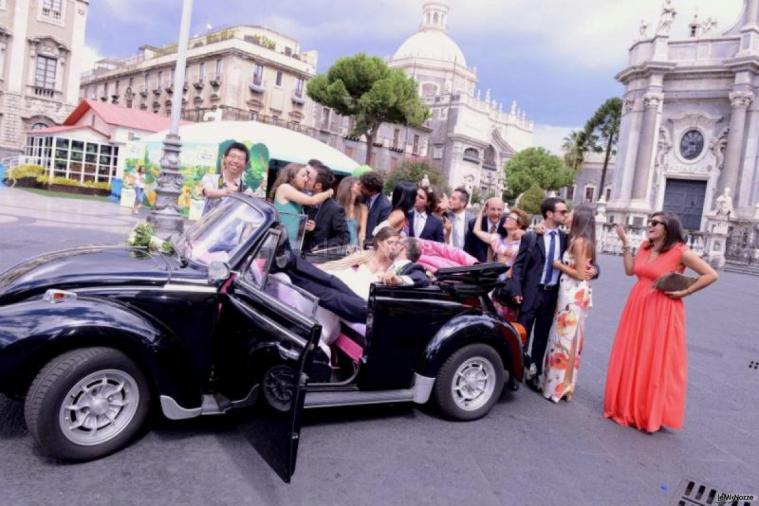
[
  {"x": 470, "y": 382},
  {"x": 87, "y": 403}
]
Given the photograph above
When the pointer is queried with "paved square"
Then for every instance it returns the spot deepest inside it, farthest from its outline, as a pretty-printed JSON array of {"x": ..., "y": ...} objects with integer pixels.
[{"x": 526, "y": 451}]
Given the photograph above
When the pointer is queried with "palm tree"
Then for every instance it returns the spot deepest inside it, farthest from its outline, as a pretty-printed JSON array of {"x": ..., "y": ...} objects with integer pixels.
[
  {"x": 602, "y": 132},
  {"x": 574, "y": 147}
]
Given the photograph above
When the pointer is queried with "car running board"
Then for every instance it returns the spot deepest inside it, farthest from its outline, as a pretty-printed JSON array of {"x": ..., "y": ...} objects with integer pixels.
[{"x": 356, "y": 398}]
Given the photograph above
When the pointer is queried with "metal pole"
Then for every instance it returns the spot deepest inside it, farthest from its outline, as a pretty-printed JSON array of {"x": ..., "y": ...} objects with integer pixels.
[{"x": 166, "y": 217}]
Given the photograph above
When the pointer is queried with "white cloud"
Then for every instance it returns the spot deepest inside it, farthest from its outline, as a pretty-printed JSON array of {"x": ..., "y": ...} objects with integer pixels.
[
  {"x": 90, "y": 55},
  {"x": 551, "y": 137}
]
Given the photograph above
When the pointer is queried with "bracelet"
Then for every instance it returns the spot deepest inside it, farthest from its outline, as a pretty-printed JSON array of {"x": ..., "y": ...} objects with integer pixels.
[{"x": 626, "y": 249}]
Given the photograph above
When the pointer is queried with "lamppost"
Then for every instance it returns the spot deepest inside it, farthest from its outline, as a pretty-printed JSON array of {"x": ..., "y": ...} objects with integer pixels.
[{"x": 166, "y": 218}]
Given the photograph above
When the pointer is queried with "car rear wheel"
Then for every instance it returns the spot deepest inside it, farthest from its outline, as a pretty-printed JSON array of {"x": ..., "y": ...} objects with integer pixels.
[
  {"x": 86, "y": 404},
  {"x": 470, "y": 382}
]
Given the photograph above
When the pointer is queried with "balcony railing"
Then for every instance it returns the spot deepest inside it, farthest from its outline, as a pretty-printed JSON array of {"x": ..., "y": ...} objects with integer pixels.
[
  {"x": 215, "y": 81},
  {"x": 298, "y": 98},
  {"x": 256, "y": 85},
  {"x": 199, "y": 84}
]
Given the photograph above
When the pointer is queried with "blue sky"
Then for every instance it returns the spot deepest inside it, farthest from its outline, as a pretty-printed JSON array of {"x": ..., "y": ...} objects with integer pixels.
[{"x": 556, "y": 58}]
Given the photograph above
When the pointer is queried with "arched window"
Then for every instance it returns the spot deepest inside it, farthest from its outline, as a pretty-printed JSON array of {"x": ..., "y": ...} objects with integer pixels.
[
  {"x": 429, "y": 89},
  {"x": 39, "y": 126},
  {"x": 472, "y": 155},
  {"x": 436, "y": 18},
  {"x": 489, "y": 158}
]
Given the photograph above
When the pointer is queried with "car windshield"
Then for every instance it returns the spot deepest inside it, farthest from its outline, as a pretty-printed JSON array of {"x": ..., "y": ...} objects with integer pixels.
[{"x": 220, "y": 234}]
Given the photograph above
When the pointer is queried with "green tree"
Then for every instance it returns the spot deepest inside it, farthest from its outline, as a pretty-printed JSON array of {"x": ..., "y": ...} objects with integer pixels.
[
  {"x": 367, "y": 90},
  {"x": 602, "y": 132},
  {"x": 414, "y": 172},
  {"x": 575, "y": 146},
  {"x": 536, "y": 166},
  {"x": 531, "y": 199}
]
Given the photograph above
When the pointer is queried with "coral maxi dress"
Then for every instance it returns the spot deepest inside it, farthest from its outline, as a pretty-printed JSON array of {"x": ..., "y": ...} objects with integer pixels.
[{"x": 646, "y": 380}]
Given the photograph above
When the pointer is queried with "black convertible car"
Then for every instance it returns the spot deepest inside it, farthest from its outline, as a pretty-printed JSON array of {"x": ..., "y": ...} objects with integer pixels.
[{"x": 94, "y": 337}]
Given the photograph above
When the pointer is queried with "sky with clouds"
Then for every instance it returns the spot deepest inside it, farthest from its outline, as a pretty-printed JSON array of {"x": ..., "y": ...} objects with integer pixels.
[{"x": 556, "y": 58}]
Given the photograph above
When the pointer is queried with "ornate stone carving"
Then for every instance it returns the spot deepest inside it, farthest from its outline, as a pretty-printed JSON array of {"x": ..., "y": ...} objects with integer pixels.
[
  {"x": 652, "y": 100},
  {"x": 724, "y": 204},
  {"x": 708, "y": 25},
  {"x": 628, "y": 105},
  {"x": 668, "y": 14},
  {"x": 717, "y": 147},
  {"x": 741, "y": 99},
  {"x": 643, "y": 29},
  {"x": 664, "y": 146}
]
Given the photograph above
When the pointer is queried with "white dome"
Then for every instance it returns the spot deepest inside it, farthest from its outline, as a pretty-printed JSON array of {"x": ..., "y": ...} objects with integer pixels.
[{"x": 432, "y": 45}]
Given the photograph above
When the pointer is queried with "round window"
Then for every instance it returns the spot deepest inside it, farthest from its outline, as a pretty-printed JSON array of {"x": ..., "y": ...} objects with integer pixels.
[{"x": 692, "y": 144}]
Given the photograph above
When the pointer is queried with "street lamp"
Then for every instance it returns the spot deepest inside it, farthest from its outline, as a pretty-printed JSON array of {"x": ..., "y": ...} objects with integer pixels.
[{"x": 165, "y": 217}]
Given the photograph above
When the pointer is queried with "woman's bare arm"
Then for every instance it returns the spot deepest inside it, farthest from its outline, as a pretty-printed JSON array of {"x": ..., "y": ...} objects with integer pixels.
[
  {"x": 706, "y": 274},
  {"x": 289, "y": 193}
]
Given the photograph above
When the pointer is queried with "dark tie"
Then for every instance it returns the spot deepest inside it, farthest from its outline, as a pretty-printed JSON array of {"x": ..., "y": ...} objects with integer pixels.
[{"x": 550, "y": 257}]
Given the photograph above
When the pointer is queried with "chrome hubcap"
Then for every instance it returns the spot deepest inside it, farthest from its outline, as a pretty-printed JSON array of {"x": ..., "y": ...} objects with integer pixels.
[
  {"x": 99, "y": 407},
  {"x": 473, "y": 383}
]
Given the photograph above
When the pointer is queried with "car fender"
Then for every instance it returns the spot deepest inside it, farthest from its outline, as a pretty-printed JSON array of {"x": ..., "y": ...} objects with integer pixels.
[
  {"x": 34, "y": 331},
  {"x": 469, "y": 329}
]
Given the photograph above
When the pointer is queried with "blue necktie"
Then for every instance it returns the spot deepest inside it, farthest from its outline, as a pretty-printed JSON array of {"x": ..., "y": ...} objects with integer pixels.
[{"x": 550, "y": 257}]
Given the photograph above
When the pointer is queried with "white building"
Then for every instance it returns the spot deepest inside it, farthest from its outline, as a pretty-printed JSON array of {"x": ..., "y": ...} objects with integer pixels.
[
  {"x": 41, "y": 46},
  {"x": 690, "y": 124},
  {"x": 472, "y": 136}
]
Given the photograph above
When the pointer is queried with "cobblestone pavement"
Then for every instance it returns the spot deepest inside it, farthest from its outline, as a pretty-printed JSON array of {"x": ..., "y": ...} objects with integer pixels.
[{"x": 526, "y": 451}]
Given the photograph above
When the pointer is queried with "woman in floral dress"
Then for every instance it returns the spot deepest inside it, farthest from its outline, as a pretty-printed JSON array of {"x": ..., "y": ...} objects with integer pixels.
[{"x": 562, "y": 359}]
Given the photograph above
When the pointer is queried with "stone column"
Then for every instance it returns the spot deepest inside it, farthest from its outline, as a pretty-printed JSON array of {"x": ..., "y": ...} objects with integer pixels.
[
  {"x": 740, "y": 101},
  {"x": 651, "y": 102}
]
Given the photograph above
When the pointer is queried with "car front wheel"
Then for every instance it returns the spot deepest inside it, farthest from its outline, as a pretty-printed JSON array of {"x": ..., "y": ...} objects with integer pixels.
[
  {"x": 470, "y": 382},
  {"x": 87, "y": 403}
]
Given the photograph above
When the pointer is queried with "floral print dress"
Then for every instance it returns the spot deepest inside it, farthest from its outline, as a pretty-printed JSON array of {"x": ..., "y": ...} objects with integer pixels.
[{"x": 562, "y": 360}]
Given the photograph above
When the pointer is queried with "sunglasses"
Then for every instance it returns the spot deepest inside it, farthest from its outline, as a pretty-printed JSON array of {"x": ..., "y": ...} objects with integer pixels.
[{"x": 653, "y": 223}]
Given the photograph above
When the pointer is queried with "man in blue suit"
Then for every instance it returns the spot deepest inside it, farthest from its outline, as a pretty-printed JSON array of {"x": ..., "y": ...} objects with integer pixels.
[
  {"x": 422, "y": 224},
  {"x": 379, "y": 206}
]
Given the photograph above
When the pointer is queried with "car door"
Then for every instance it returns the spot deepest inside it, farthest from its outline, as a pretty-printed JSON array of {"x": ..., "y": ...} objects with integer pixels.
[{"x": 288, "y": 337}]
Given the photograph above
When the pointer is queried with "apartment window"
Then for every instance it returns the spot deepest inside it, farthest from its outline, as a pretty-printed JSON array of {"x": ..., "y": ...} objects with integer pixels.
[
  {"x": 396, "y": 137},
  {"x": 201, "y": 71},
  {"x": 608, "y": 193},
  {"x": 105, "y": 91},
  {"x": 299, "y": 87},
  {"x": 288, "y": 51},
  {"x": 44, "y": 76},
  {"x": 131, "y": 82},
  {"x": 219, "y": 67},
  {"x": 278, "y": 82},
  {"x": 570, "y": 193},
  {"x": 590, "y": 192},
  {"x": 415, "y": 147},
  {"x": 258, "y": 73},
  {"x": 160, "y": 79},
  {"x": 52, "y": 9},
  {"x": 147, "y": 80},
  {"x": 116, "y": 90}
]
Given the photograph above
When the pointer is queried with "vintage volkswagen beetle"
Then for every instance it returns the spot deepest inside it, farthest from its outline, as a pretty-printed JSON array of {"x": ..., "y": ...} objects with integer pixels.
[{"x": 93, "y": 337}]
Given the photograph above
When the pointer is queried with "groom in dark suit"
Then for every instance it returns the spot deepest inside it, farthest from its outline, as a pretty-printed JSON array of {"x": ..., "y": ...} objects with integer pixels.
[
  {"x": 326, "y": 227},
  {"x": 371, "y": 184},
  {"x": 536, "y": 283},
  {"x": 423, "y": 224}
]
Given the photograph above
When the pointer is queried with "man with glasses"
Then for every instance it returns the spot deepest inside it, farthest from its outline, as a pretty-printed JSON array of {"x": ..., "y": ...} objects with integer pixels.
[{"x": 536, "y": 283}]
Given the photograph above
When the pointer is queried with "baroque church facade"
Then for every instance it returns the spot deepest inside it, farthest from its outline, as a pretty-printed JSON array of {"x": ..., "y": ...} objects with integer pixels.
[
  {"x": 472, "y": 136},
  {"x": 689, "y": 136}
]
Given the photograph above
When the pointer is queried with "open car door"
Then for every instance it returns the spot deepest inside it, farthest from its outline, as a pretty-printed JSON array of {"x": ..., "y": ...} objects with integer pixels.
[{"x": 287, "y": 334}]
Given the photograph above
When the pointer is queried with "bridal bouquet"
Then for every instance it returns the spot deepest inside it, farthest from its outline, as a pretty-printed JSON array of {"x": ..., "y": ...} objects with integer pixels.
[{"x": 143, "y": 234}]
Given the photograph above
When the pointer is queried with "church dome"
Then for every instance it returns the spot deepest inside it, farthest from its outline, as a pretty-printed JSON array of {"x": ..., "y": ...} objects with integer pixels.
[
  {"x": 432, "y": 41},
  {"x": 432, "y": 45}
]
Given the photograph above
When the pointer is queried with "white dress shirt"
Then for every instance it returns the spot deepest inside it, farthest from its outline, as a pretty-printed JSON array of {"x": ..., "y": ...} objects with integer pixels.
[
  {"x": 420, "y": 219},
  {"x": 458, "y": 229}
]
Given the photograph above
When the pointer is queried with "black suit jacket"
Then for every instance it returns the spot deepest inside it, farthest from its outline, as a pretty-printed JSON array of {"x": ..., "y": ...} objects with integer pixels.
[
  {"x": 331, "y": 229},
  {"x": 433, "y": 228},
  {"x": 416, "y": 273},
  {"x": 473, "y": 245},
  {"x": 378, "y": 213},
  {"x": 528, "y": 266}
]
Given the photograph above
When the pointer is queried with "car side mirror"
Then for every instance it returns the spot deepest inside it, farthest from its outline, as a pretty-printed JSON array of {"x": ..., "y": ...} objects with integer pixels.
[{"x": 218, "y": 271}]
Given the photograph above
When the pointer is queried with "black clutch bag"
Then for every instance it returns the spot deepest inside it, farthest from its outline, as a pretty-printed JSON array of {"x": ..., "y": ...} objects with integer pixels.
[{"x": 674, "y": 282}]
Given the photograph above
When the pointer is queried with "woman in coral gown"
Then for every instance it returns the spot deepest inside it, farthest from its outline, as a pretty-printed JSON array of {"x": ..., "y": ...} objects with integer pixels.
[{"x": 647, "y": 376}]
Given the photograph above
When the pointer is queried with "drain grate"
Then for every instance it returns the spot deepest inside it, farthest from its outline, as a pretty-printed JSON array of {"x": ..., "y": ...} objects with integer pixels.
[{"x": 694, "y": 493}]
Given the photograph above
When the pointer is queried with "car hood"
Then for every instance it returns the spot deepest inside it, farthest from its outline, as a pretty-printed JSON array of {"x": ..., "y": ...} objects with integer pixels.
[{"x": 85, "y": 266}]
